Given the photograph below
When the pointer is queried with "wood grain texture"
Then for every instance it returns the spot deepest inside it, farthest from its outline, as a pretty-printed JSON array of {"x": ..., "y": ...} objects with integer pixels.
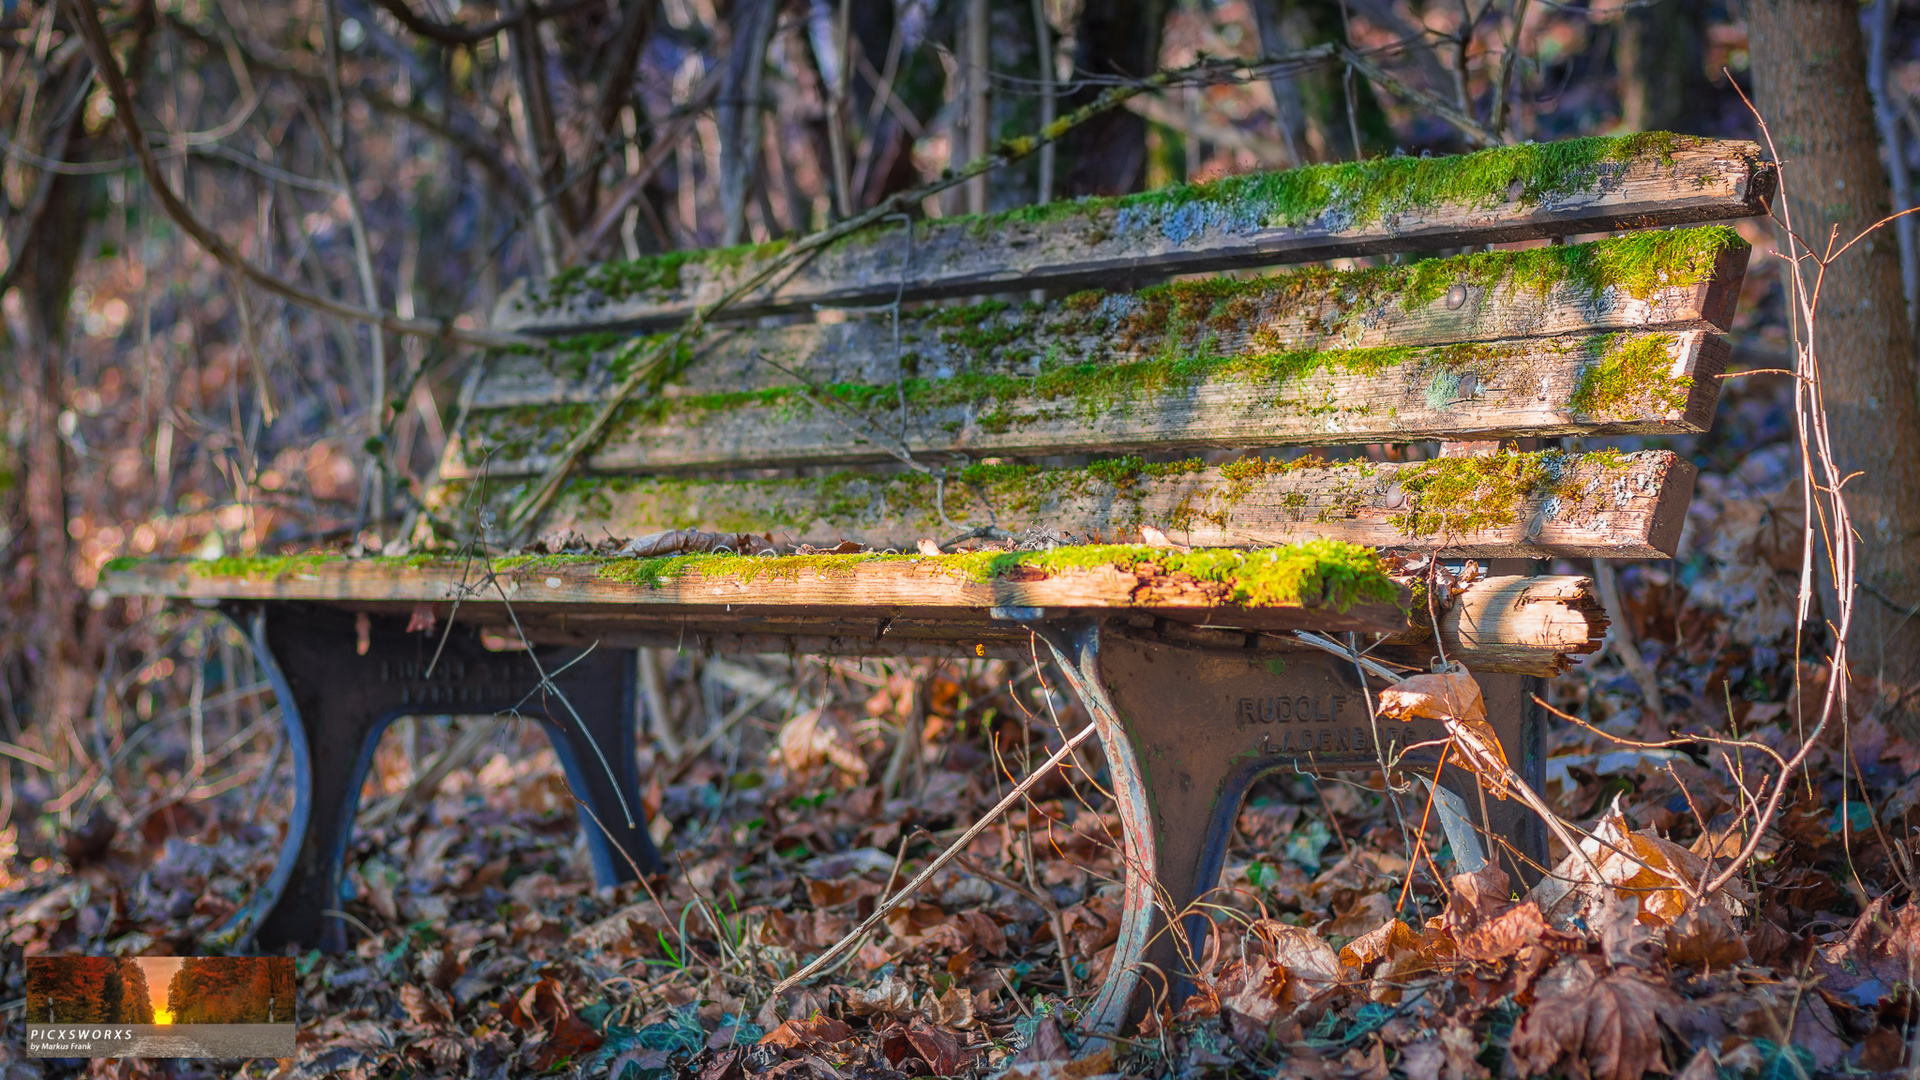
[
  {"x": 1520, "y": 629},
  {"x": 1514, "y": 623},
  {"x": 1535, "y": 386},
  {"x": 1528, "y": 505},
  {"x": 1144, "y": 239},
  {"x": 870, "y": 591}
]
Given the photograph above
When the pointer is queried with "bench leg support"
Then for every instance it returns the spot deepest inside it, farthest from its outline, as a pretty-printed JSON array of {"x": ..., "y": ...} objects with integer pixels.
[
  {"x": 337, "y": 701},
  {"x": 1186, "y": 732}
]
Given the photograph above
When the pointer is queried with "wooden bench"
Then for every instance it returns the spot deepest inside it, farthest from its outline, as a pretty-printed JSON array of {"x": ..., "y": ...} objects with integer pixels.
[{"x": 1069, "y": 427}]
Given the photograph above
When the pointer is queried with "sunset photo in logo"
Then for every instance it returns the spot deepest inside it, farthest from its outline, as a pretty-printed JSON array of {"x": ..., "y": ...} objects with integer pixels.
[{"x": 160, "y": 1006}]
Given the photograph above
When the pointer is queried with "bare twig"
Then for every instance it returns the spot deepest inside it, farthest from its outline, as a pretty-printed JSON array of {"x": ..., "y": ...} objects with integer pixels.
[
  {"x": 100, "y": 50},
  {"x": 882, "y": 909}
]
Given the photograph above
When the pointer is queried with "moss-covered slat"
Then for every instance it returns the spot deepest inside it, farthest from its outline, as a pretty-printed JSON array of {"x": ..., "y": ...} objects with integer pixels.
[
  {"x": 1525, "y": 626},
  {"x": 1595, "y": 384},
  {"x": 1127, "y": 366},
  {"x": 1508, "y": 504},
  {"x": 1318, "y": 212},
  {"x": 1323, "y": 584}
]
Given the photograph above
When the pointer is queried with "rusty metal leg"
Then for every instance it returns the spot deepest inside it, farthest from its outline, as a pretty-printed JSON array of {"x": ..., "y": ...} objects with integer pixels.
[
  {"x": 1187, "y": 730},
  {"x": 337, "y": 701}
]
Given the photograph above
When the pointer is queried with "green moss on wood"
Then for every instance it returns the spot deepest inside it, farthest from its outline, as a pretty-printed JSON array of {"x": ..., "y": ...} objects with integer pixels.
[
  {"x": 1630, "y": 376},
  {"x": 1317, "y": 573},
  {"x": 1358, "y": 194},
  {"x": 1333, "y": 196},
  {"x": 1456, "y": 496}
]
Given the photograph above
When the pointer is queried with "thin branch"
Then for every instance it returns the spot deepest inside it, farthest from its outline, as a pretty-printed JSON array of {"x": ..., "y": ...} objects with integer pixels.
[
  {"x": 1474, "y": 130},
  {"x": 953, "y": 851},
  {"x": 455, "y": 34},
  {"x": 100, "y": 50},
  {"x": 536, "y": 499}
]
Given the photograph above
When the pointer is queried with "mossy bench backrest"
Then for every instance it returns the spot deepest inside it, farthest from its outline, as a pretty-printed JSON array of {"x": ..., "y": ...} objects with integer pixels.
[{"x": 999, "y": 418}]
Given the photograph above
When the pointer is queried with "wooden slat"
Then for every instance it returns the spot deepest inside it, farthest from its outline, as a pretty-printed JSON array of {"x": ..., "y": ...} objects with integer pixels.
[
  {"x": 1198, "y": 363},
  {"x": 1511, "y": 504},
  {"x": 947, "y": 589},
  {"x": 1321, "y": 212},
  {"x": 1523, "y": 626},
  {"x": 1659, "y": 382}
]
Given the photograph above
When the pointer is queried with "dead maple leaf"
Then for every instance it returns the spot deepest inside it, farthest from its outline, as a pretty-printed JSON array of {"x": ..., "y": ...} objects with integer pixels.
[
  {"x": 1605, "y": 1029},
  {"x": 1507, "y": 933},
  {"x": 1660, "y": 872},
  {"x": 1384, "y": 941},
  {"x": 891, "y": 996},
  {"x": 1310, "y": 965},
  {"x": 939, "y": 1049},
  {"x": 953, "y": 1009},
  {"x": 1453, "y": 697},
  {"x": 813, "y": 738},
  {"x": 421, "y": 1006},
  {"x": 1452, "y": 1054},
  {"x": 807, "y": 1033}
]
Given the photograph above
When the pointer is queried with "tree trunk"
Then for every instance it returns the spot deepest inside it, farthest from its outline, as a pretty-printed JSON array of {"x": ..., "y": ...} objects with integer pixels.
[
  {"x": 48, "y": 260},
  {"x": 1663, "y": 75},
  {"x": 1810, "y": 71},
  {"x": 1107, "y": 155}
]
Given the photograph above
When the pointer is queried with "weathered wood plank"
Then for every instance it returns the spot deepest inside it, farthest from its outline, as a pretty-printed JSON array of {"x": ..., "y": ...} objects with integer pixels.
[
  {"x": 1292, "y": 353},
  {"x": 1320, "y": 212},
  {"x": 1277, "y": 589},
  {"x": 1515, "y": 625},
  {"x": 1510, "y": 504},
  {"x": 1659, "y": 382},
  {"x": 1522, "y": 626}
]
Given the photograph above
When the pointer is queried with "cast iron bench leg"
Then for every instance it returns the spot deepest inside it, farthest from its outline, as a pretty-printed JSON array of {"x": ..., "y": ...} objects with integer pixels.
[
  {"x": 1186, "y": 732},
  {"x": 337, "y": 702}
]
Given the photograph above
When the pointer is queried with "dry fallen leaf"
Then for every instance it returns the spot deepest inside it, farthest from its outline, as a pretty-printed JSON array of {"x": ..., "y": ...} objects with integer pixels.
[
  {"x": 891, "y": 996},
  {"x": 1661, "y": 873},
  {"x": 1453, "y": 697},
  {"x": 939, "y": 1049},
  {"x": 1310, "y": 965},
  {"x": 1380, "y": 943},
  {"x": 1433, "y": 697},
  {"x": 813, "y": 738},
  {"x": 1453, "y": 1054},
  {"x": 803, "y": 1033},
  {"x": 1607, "y": 1029},
  {"x": 1154, "y": 538}
]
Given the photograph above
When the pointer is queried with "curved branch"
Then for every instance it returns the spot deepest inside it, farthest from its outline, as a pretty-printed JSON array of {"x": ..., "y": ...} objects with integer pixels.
[
  {"x": 453, "y": 34},
  {"x": 100, "y": 50}
]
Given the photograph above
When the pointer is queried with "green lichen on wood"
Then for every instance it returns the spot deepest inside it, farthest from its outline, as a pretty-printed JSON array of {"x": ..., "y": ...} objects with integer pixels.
[{"x": 1630, "y": 376}]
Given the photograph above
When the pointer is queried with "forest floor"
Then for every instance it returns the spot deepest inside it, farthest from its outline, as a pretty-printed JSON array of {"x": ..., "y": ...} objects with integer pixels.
[{"x": 481, "y": 949}]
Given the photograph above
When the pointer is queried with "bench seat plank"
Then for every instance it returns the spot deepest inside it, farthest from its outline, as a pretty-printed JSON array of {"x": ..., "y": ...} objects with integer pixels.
[
  {"x": 1313, "y": 213},
  {"x": 1328, "y": 586},
  {"x": 1530, "y": 625},
  {"x": 1628, "y": 383},
  {"x": 1510, "y": 504}
]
